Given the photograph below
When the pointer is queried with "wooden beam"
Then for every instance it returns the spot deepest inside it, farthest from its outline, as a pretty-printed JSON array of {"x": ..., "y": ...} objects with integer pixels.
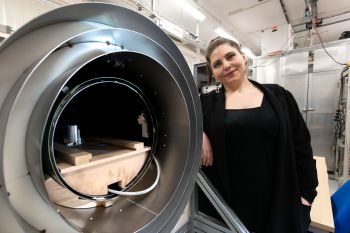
[
  {"x": 321, "y": 211},
  {"x": 134, "y": 145},
  {"x": 72, "y": 155},
  {"x": 109, "y": 164}
]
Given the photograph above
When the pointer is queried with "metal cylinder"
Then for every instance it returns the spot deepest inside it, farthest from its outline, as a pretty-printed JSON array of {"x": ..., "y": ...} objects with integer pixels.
[
  {"x": 103, "y": 66},
  {"x": 71, "y": 135}
]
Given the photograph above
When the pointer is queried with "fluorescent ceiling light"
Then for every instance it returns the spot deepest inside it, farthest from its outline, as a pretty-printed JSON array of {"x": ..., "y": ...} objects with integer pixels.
[
  {"x": 221, "y": 32},
  {"x": 52, "y": 2},
  {"x": 248, "y": 52},
  {"x": 171, "y": 28},
  {"x": 191, "y": 10}
]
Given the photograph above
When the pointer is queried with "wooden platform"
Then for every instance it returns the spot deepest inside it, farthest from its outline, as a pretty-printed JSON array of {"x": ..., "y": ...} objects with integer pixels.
[
  {"x": 321, "y": 211},
  {"x": 91, "y": 167}
]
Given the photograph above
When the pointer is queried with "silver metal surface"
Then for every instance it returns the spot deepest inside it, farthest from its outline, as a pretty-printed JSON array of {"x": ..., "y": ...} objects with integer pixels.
[
  {"x": 323, "y": 93},
  {"x": 297, "y": 85},
  {"x": 323, "y": 97},
  {"x": 267, "y": 69},
  {"x": 322, "y": 62},
  {"x": 230, "y": 218},
  {"x": 71, "y": 135},
  {"x": 294, "y": 63},
  {"x": 36, "y": 64}
]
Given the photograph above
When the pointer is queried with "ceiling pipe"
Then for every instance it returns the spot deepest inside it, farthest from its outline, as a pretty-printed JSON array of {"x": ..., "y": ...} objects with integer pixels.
[
  {"x": 325, "y": 17},
  {"x": 323, "y": 25},
  {"x": 311, "y": 7},
  {"x": 284, "y": 11}
]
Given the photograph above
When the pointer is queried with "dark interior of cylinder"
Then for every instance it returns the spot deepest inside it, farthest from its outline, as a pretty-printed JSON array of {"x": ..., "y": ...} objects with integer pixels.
[{"x": 106, "y": 110}]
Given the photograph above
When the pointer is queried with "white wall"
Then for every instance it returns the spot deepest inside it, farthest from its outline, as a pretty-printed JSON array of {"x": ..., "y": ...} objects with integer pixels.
[
  {"x": 190, "y": 56},
  {"x": 15, "y": 13}
]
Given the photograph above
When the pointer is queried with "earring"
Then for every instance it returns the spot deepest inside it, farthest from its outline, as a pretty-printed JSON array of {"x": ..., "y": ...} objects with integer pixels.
[{"x": 217, "y": 86}]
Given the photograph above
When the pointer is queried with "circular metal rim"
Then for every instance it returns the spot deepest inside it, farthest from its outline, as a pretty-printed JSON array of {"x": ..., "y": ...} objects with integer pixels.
[
  {"x": 51, "y": 126},
  {"x": 165, "y": 43}
]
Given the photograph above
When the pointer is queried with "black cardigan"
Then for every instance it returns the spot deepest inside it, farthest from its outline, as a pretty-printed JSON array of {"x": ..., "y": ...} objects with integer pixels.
[{"x": 294, "y": 167}]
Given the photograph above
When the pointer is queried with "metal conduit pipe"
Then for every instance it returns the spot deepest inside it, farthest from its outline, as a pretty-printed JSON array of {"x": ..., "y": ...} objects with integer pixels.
[{"x": 101, "y": 65}]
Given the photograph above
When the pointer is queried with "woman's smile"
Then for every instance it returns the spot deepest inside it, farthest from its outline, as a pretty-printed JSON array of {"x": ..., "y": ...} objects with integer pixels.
[{"x": 230, "y": 73}]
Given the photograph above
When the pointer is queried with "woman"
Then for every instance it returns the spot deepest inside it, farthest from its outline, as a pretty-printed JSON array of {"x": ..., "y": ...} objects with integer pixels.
[{"x": 256, "y": 146}]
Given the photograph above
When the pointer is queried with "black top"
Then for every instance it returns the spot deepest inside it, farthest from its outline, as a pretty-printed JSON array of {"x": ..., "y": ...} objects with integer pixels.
[{"x": 250, "y": 147}]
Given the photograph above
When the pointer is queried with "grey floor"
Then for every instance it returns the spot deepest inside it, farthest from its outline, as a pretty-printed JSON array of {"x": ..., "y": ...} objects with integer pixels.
[{"x": 333, "y": 186}]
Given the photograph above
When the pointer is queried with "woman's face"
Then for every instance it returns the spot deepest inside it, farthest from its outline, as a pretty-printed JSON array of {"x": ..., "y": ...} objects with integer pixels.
[{"x": 228, "y": 64}]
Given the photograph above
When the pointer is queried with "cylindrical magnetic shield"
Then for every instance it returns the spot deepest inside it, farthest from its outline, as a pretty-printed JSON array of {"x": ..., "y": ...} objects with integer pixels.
[{"x": 86, "y": 78}]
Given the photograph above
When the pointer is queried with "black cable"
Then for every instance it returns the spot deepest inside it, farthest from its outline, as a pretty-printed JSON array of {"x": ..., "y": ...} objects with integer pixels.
[{"x": 321, "y": 41}]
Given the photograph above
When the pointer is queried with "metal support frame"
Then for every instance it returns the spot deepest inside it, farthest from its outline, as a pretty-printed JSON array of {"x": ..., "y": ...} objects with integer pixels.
[
  {"x": 200, "y": 222},
  {"x": 346, "y": 175},
  {"x": 284, "y": 11}
]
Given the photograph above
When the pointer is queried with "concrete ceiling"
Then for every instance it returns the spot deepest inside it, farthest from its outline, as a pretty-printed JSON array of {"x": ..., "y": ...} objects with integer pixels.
[{"x": 247, "y": 19}]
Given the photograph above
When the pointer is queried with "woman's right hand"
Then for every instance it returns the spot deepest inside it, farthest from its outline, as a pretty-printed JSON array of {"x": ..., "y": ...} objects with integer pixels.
[{"x": 207, "y": 152}]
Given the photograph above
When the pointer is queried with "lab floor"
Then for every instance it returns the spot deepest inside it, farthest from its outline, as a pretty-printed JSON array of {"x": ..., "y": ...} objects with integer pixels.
[{"x": 333, "y": 186}]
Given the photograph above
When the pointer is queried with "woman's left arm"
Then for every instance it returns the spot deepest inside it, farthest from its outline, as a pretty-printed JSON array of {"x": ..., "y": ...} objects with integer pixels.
[{"x": 305, "y": 164}]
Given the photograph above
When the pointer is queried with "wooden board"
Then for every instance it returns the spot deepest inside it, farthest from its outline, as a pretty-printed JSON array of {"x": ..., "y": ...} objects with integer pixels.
[
  {"x": 109, "y": 164},
  {"x": 63, "y": 197},
  {"x": 91, "y": 167},
  {"x": 72, "y": 155},
  {"x": 321, "y": 211},
  {"x": 123, "y": 143}
]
